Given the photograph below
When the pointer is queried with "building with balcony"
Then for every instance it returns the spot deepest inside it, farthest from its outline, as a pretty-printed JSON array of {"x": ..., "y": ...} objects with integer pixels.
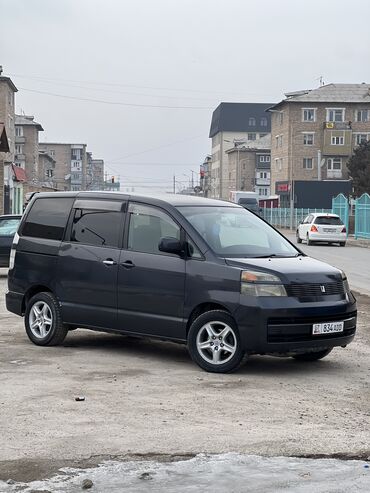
[
  {"x": 27, "y": 146},
  {"x": 233, "y": 123},
  {"x": 314, "y": 133},
  {"x": 70, "y": 164},
  {"x": 94, "y": 173}
]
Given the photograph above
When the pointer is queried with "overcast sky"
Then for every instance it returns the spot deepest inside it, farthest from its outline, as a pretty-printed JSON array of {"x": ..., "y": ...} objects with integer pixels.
[{"x": 175, "y": 59}]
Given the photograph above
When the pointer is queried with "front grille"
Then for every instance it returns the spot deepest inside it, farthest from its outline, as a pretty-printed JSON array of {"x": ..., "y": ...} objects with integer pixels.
[
  {"x": 315, "y": 290},
  {"x": 300, "y": 329}
]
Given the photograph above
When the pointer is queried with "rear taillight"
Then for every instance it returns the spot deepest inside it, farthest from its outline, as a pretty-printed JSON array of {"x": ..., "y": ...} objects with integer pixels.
[
  {"x": 13, "y": 251},
  {"x": 314, "y": 229},
  {"x": 344, "y": 230}
]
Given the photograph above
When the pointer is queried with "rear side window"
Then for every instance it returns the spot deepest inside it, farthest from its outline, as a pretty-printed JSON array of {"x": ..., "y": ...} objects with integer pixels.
[
  {"x": 331, "y": 221},
  {"x": 47, "y": 218},
  {"x": 8, "y": 226},
  {"x": 96, "y": 227}
]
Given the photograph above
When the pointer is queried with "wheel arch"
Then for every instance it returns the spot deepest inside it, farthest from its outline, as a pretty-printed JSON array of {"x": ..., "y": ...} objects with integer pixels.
[
  {"x": 39, "y": 288},
  {"x": 203, "y": 308}
]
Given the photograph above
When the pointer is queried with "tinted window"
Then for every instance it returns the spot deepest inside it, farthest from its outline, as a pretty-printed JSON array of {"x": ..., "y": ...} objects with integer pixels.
[
  {"x": 331, "y": 220},
  {"x": 47, "y": 218},
  {"x": 9, "y": 226},
  {"x": 147, "y": 226},
  {"x": 95, "y": 227},
  {"x": 235, "y": 232}
]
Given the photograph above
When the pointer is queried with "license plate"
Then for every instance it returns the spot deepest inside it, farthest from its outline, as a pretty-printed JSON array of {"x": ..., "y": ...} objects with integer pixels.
[
  {"x": 327, "y": 328},
  {"x": 327, "y": 230}
]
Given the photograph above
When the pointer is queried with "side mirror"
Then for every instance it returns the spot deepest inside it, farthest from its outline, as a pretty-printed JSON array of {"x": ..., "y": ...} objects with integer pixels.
[{"x": 170, "y": 245}]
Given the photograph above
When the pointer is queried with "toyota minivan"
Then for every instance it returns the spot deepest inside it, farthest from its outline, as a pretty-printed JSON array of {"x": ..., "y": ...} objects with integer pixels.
[{"x": 203, "y": 272}]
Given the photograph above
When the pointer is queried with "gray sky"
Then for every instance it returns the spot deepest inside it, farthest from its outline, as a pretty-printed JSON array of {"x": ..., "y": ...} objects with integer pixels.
[{"x": 177, "y": 53}]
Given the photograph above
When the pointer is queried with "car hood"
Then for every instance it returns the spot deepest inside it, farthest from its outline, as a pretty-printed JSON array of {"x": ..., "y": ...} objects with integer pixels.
[{"x": 291, "y": 269}]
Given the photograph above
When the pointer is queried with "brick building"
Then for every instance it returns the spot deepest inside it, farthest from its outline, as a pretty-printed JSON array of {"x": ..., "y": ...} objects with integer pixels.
[{"x": 323, "y": 126}]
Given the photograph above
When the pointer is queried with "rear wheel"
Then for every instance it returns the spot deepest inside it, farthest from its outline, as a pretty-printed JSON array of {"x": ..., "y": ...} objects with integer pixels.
[
  {"x": 43, "y": 320},
  {"x": 298, "y": 238},
  {"x": 214, "y": 342},
  {"x": 313, "y": 356},
  {"x": 309, "y": 242},
  {"x": 342, "y": 243}
]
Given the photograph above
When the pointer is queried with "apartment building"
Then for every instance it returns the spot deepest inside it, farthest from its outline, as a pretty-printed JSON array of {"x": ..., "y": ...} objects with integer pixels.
[
  {"x": 70, "y": 164},
  {"x": 314, "y": 133},
  {"x": 10, "y": 188},
  {"x": 94, "y": 173},
  {"x": 249, "y": 166},
  {"x": 26, "y": 154},
  {"x": 233, "y": 122}
]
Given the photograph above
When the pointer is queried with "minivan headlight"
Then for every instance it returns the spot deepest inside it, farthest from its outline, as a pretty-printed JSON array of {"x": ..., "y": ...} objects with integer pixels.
[{"x": 255, "y": 283}]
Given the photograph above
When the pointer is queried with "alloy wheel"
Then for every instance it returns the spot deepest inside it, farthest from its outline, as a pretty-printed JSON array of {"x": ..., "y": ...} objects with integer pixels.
[
  {"x": 216, "y": 342},
  {"x": 40, "y": 319}
]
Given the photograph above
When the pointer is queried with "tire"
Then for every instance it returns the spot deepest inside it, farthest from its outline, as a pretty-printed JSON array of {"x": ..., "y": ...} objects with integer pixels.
[
  {"x": 298, "y": 238},
  {"x": 309, "y": 242},
  {"x": 207, "y": 330},
  {"x": 342, "y": 243},
  {"x": 43, "y": 320},
  {"x": 313, "y": 356}
]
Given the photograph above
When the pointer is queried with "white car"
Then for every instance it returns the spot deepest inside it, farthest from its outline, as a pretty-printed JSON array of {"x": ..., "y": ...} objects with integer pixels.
[{"x": 321, "y": 227}]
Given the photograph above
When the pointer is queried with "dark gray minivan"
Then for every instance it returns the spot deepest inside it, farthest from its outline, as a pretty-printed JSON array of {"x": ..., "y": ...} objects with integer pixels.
[{"x": 193, "y": 270}]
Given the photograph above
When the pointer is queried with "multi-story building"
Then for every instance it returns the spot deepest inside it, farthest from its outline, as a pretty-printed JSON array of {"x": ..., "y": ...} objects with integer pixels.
[
  {"x": 46, "y": 170},
  {"x": 10, "y": 194},
  {"x": 204, "y": 176},
  {"x": 94, "y": 173},
  {"x": 232, "y": 122},
  {"x": 27, "y": 146},
  {"x": 70, "y": 164},
  {"x": 314, "y": 133},
  {"x": 249, "y": 166}
]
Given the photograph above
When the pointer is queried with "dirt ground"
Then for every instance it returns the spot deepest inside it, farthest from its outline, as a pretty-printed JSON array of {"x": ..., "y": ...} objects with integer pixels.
[{"x": 146, "y": 399}]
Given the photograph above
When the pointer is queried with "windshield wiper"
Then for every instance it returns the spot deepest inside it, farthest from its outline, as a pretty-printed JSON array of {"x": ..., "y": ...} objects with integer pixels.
[{"x": 269, "y": 256}]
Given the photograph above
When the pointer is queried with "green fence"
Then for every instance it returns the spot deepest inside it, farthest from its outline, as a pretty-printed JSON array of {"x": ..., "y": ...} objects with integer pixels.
[
  {"x": 340, "y": 206},
  {"x": 280, "y": 217},
  {"x": 362, "y": 216}
]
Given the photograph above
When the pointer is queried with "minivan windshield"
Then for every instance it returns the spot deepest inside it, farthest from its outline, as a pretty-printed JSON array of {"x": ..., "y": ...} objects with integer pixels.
[{"x": 236, "y": 232}]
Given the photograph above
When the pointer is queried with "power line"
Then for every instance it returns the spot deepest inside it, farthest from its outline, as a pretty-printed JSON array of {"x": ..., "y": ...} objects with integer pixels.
[{"x": 116, "y": 103}]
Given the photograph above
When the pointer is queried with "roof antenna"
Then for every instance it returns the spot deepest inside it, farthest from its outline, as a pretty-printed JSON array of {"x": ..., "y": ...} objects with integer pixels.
[{"x": 321, "y": 79}]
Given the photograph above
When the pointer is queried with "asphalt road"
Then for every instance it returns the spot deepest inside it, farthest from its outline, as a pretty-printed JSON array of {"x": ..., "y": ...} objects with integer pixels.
[
  {"x": 355, "y": 261},
  {"x": 146, "y": 399}
]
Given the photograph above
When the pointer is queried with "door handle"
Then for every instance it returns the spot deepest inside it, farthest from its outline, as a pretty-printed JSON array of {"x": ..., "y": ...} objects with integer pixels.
[
  {"x": 128, "y": 264},
  {"x": 109, "y": 261}
]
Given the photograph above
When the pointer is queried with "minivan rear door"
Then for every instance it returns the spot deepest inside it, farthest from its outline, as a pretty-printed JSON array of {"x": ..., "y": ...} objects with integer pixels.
[
  {"x": 151, "y": 284},
  {"x": 88, "y": 263}
]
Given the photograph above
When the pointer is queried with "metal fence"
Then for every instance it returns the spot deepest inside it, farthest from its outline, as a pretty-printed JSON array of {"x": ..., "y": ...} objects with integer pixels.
[
  {"x": 340, "y": 206},
  {"x": 280, "y": 217},
  {"x": 362, "y": 216}
]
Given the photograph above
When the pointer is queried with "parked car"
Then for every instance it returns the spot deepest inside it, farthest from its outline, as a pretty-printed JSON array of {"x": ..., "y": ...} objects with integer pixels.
[
  {"x": 192, "y": 270},
  {"x": 8, "y": 226},
  {"x": 323, "y": 228}
]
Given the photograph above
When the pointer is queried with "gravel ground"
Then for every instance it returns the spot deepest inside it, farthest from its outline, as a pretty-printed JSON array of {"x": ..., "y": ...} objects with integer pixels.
[{"x": 148, "y": 400}]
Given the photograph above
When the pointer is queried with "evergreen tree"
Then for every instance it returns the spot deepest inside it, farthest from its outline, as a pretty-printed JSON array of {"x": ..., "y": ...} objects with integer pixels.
[{"x": 359, "y": 169}]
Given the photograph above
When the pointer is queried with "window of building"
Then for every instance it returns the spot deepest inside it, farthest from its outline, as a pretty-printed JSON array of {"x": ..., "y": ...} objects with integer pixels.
[
  {"x": 337, "y": 140},
  {"x": 19, "y": 148},
  {"x": 52, "y": 152},
  {"x": 307, "y": 163},
  {"x": 308, "y": 139},
  {"x": 49, "y": 173},
  {"x": 277, "y": 141},
  {"x": 264, "y": 122},
  {"x": 147, "y": 225},
  {"x": 252, "y": 136},
  {"x": 19, "y": 131},
  {"x": 361, "y": 138},
  {"x": 280, "y": 140},
  {"x": 362, "y": 115},
  {"x": 76, "y": 154},
  {"x": 96, "y": 227},
  {"x": 334, "y": 163},
  {"x": 335, "y": 114},
  {"x": 267, "y": 159},
  {"x": 252, "y": 121},
  {"x": 308, "y": 114},
  {"x": 47, "y": 218}
]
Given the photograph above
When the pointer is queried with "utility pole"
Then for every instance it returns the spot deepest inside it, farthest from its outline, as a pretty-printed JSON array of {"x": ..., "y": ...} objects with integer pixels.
[
  {"x": 174, "y": 184},
  {"x": 319, "y": 165}
]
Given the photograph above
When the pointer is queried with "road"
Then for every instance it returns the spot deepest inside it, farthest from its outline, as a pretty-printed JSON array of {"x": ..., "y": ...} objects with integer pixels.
[
  {"x": 355, "y": 261},
  {"x": 146, "y": 399}
]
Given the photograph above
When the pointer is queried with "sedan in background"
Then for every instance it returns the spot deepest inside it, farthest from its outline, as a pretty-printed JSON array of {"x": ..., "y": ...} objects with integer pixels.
[
  {"x": 321, "y": 227},
  {"x": 8, "y": 227}
]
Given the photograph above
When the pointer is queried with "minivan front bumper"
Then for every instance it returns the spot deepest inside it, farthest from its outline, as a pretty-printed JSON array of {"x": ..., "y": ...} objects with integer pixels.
[{"x": 284, "y": 325}]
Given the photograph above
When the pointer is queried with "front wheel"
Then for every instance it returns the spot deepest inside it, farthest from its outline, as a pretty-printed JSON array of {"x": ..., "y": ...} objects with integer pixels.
[
  {"x": 43, "y": 320},
  {"x": 214, "y": 342},
  {"x": 313, "y": 356}
]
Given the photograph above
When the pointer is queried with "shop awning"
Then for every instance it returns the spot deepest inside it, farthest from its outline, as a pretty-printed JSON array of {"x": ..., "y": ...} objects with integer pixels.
[{"x": 19, "y": 173}]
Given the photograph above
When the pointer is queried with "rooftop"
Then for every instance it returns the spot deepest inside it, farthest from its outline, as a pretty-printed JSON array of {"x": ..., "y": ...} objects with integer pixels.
[
  {"x": 234, "y": 117},
  {"x": 27, "y": 120},
  {"x": 330, "y": 93},
  {"x": 9, "y": 81}
]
